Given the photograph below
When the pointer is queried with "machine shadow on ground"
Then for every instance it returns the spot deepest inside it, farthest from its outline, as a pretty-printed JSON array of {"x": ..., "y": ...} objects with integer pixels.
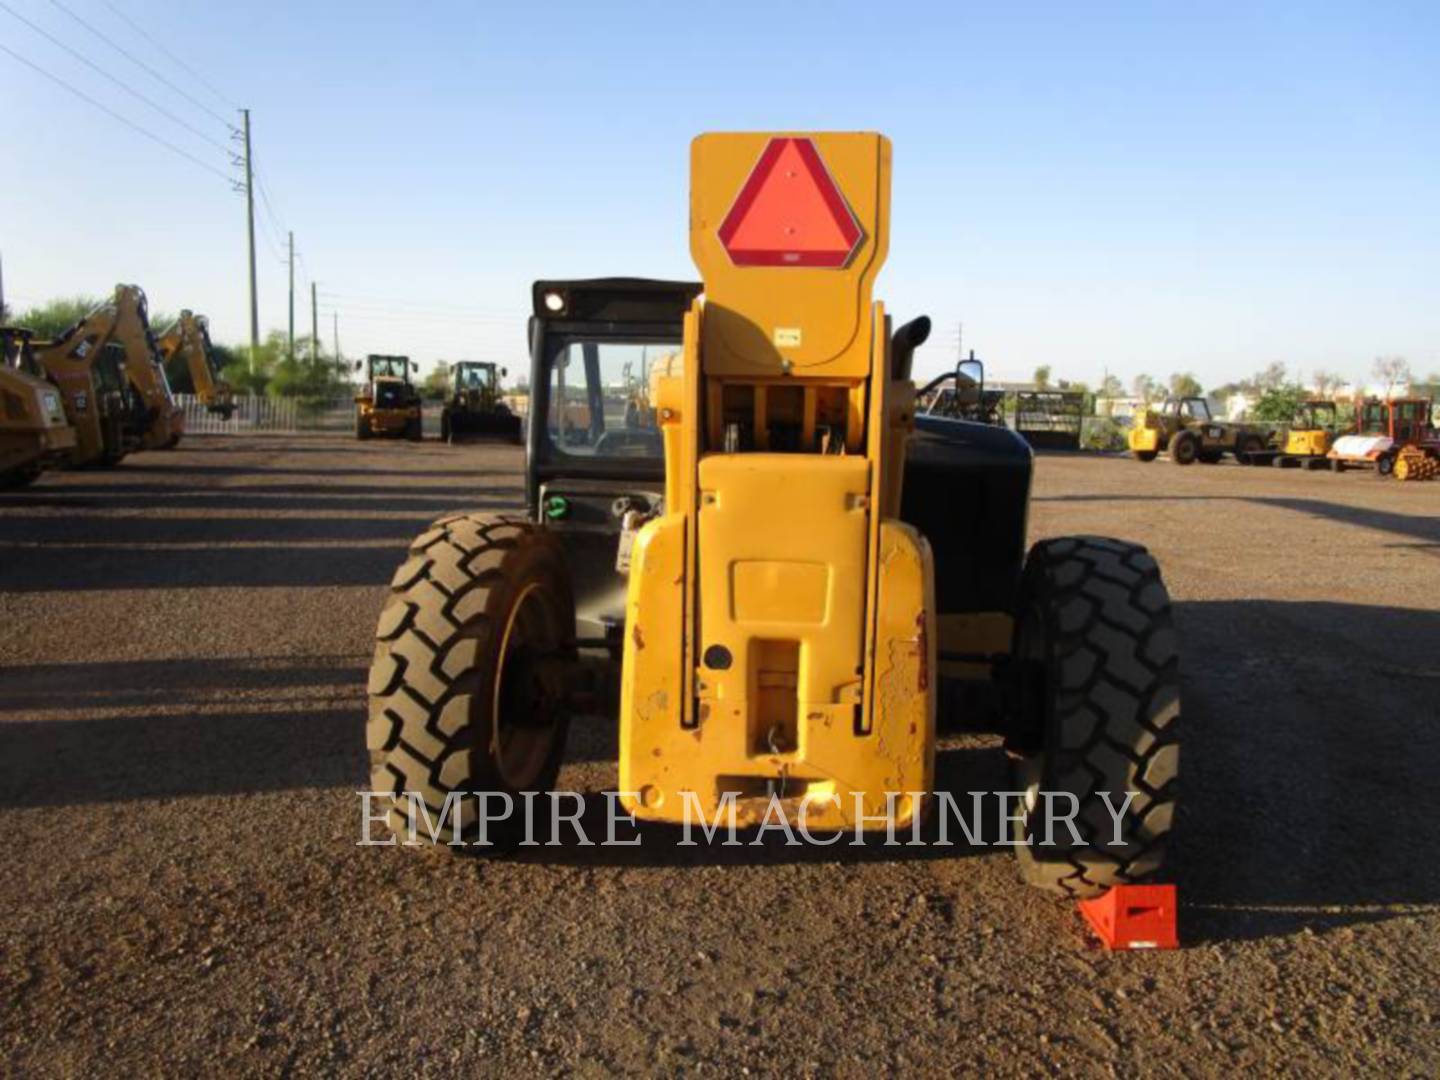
[
  {"x": 1310, "y": 752},
  {"x": 1415, "y": 526},
  {"x": 1307, "y": 803},
  {"x": 125, "y": 758}
]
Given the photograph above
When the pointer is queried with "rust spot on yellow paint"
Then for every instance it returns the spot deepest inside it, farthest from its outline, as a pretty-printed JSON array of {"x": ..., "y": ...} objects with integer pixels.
[{"x": 637, "y": 637}]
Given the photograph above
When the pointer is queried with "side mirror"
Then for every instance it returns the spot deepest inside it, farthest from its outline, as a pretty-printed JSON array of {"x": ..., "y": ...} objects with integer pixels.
[
  {"x": 504, "y": 372},
  {"x": 414, "y": 366},
  {"x": 359, "y": 364},
  {"x": 969, "y": 381}
]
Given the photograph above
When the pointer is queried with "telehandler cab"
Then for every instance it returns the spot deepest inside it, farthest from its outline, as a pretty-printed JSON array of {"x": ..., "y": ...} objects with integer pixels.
[
  {"x": 33, "y": 431},
  {"x": 111, "y": 420},
  {"x": 388, "y": 404},
  {"x": 474, "y": 406},
  {"x": 785, "y": 580},
  {"x": 189, "y": 339}
]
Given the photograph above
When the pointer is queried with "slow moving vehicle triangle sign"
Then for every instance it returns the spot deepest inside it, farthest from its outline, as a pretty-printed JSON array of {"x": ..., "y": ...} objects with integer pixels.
[{"x": 790, "y": 212}]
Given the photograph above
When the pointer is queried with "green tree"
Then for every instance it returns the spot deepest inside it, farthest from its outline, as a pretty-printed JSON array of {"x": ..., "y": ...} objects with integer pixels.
[
  {"x": 1272, "y": 378},
  {"x": 1183, "y": 385},
  {"x": 1144, "y": 387},
  {"x": 54, "y": 317},
  {"x": 1042, "y": 377},
  {"x": 436, "y": 386},
  {"x": 1112, "y": 387},
  {"x": 1278, "y": 404}
]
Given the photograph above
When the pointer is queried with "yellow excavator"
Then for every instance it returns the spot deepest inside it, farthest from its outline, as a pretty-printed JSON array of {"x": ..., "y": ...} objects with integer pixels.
[
  {"x": 111, "y": 383},
  {"x": 189, "y": 338},
  {"x": 33, "y": 431}
]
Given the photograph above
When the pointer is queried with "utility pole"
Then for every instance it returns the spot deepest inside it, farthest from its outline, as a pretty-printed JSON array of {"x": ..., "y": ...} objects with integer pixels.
[
  {"x": 250, "y": 226},
  {"x": 314, "y": 327},
  {"x": 335, "y": 330},
  {"x": 292, "y": 296},
  {"x": 2, "y": 295},
  {"x": 959, "y": 341}
]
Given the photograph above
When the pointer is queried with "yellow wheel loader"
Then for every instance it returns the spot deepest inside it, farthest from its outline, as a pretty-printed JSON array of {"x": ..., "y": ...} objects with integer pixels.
[
  {"x": 388, "y": 404},
  {"x": 1185, "y": 428},
  {"x": 475, "y": 406},
  {"x": 189, "y": 339},
  {"x": 783, "y": 579},
  {"x": 111, "y": 420},
  {"x": 33, "y": 432}
]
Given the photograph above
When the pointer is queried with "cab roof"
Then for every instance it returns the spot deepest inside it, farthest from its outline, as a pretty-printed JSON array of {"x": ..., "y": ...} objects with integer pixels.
[{"x": 617, "y": 299}]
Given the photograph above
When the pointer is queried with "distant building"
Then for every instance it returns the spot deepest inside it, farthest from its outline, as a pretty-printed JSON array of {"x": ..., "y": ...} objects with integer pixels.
[{"x": 1120, "y": 408}]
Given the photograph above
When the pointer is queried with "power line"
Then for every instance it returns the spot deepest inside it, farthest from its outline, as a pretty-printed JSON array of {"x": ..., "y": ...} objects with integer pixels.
[
  {"x": 454, "y": 321},
  {"x": 111, "y": 112},
  {"x": 141, "y": 63},
  {"x": 438, "y": 308},
  {"x": 265, "y": 200},
  {"x": 117, "y": 81},
  {"x": 161, "y": 46}
]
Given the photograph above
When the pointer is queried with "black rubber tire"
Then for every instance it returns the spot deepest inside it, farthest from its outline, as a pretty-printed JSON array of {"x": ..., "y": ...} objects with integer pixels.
[
  {"x": 1145, "y": 455},
  {"x": 1384, "y": 465},
  {"x": 1210, "y": 457},
  {"x": 1247, "y": 449},
  {"x": 1184, "y": 448},
  {"x": 435, "y": 685},
  {"x": 1097, "y": 710},
  {"x": 414, "y": 432},
  {"x": 21, "y": 477},
  {"x": 445, "y": 426},
  {"x": 362, "y": 427}
]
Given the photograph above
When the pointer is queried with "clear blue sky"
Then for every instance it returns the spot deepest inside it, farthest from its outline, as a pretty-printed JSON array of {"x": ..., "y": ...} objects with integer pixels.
[{"x": 1140, "y": 187}]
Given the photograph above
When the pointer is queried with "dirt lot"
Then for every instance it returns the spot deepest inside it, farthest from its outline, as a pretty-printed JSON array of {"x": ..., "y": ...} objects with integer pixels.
[{"x": 184, "y": 645}]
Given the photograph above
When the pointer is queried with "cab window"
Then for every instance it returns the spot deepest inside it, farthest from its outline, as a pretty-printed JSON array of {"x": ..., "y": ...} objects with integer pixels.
[{"x": 600, "y": 399}]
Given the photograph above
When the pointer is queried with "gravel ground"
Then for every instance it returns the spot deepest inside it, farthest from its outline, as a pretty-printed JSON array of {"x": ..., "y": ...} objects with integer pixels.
[{"x": 184, "y": 643}]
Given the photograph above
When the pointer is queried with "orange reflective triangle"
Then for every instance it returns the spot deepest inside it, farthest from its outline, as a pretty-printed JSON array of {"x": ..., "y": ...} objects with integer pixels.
[{"x": 790, "y": 212}]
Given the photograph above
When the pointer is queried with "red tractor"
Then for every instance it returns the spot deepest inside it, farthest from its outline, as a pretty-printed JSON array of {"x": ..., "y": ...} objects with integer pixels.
[{"x": 1387, "y": 433}]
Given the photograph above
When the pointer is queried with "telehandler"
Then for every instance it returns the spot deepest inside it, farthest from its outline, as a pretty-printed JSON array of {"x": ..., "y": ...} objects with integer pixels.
[
  {"x": 474, "y": 406},
  {"x": 33, "y": 432},
  {"x": 1185, "y": 428},
  {"x": 110, "y": 421},
  {"x": 189, "y": 338},
  {"x": 781, "y": 583},
  {"x": 388, "y": 404}
]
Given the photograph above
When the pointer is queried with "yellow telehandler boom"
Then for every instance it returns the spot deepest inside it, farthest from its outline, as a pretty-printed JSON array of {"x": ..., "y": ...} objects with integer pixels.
[{"x": 189, "y": 338}]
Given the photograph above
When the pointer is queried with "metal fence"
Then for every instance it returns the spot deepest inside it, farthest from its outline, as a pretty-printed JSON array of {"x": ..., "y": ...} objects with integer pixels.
[{"x": 266, "y": 415}]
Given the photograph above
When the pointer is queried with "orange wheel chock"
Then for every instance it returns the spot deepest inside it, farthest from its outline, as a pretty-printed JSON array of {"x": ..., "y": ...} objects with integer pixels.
[{"x": 1134, "y": 917}]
